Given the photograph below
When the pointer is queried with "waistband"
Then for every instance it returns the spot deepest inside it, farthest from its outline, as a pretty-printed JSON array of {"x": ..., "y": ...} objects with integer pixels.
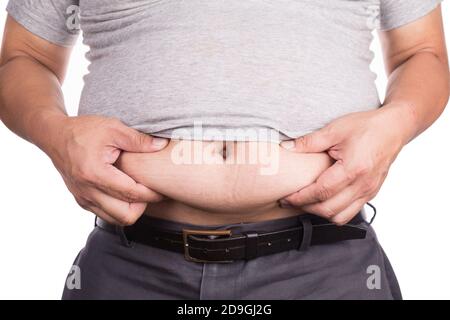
[
  {"x": 260, "y": 226},
  {"x": 246, "y": 240}
]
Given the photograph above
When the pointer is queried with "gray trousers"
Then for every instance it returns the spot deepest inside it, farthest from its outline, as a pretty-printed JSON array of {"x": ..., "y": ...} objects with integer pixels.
[{"x": 353, "y": 269}]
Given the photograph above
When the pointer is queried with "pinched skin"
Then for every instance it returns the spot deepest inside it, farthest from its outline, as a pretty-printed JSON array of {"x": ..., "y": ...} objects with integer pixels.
[{"x": 243, "y": 178}]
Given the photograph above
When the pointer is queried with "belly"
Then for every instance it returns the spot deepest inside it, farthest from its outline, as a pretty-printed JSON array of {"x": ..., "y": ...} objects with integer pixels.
[{"x": 216, "y": 182}]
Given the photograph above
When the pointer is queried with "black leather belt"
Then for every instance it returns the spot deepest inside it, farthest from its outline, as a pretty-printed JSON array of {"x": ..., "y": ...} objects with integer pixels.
[{"x": 222, "y": 246}]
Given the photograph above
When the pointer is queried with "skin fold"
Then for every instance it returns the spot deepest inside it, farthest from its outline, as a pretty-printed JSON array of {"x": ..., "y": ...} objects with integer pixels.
[{"x": 247, "y": 178}]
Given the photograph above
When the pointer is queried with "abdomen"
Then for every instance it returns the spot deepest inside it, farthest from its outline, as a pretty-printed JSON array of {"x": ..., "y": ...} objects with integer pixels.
[{"x": 251, "y": 177}]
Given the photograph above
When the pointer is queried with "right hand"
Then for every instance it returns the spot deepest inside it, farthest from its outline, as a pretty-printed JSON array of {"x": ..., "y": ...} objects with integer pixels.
[{"x": 84, "y": 152}]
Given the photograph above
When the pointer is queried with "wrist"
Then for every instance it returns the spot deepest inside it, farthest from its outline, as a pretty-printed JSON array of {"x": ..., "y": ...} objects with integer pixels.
[
  {"x": 48, "y": 130},
  {"x": 400, "y": 120}
]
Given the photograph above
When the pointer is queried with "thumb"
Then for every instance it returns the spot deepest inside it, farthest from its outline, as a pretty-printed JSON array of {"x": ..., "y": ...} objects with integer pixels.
[
  {"x": 318, "y": 141},
  {"x": 134, "y": 141}
]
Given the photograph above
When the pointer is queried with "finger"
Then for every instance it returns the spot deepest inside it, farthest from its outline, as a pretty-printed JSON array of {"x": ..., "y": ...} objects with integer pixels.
[
  {"x": 89, "y": 206},
  {"x": 83, "y": 203},
  {"x": 336, "y": 204},
  {"x": 131, "y": 140},
  {"x": 332, "y": 181},
  {"x": 317, "y": 141},
  {"x": 125, "y": 213},
  {"x": 349, "y": 213},
  {"x": 117, "y": 184},
  {"x": 104, "y": 216}
]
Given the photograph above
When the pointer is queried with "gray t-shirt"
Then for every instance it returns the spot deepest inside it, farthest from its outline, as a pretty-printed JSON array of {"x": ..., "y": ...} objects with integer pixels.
[{"x": 223, "y": 69}]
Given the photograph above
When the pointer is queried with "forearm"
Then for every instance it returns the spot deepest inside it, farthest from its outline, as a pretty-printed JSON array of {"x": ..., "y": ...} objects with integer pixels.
[
  {"x": 417, "y": 93},
  {"x": 31, "y": 101}
]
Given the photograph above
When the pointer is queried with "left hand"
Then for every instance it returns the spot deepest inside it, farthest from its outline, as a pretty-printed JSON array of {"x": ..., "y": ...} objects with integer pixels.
[{"x": 364, "y": 145}]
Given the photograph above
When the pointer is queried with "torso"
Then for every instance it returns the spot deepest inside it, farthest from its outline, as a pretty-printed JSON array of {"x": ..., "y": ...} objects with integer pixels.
[
  {"x": 203, "y": 186},
  {"x": 162, "y": 67},
  {"x": 291, "y": 65}
]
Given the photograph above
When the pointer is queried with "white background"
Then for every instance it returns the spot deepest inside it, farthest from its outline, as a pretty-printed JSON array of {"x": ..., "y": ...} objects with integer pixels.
[{"x": 42, "y": 228}]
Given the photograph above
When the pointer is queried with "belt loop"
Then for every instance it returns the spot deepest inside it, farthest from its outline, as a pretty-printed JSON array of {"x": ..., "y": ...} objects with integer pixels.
[
  {"x": 374, "y": 212},
  {"x": 123, "y": 237},
  {"x": 251, "y": 245},
  {"x": 306, "y": 235},
  {"x": 95, "y": 222}
]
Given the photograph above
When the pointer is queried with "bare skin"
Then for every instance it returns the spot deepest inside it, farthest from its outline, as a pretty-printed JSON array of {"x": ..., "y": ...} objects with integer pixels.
[
  {"x": 365, "y": 144},
  {"x": 85, "y": 149},
  {"x": 223, "y": 189}
]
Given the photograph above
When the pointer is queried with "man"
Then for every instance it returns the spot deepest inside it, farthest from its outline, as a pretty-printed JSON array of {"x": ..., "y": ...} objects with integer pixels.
[{"x": 243, "y": 70}]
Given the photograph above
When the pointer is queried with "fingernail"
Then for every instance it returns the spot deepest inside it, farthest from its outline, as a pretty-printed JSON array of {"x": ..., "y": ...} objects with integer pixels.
[
  {"x": 284, "y": 204},
  {"x": 159, "y": 142},
  {"x": 288, "y": 145}
]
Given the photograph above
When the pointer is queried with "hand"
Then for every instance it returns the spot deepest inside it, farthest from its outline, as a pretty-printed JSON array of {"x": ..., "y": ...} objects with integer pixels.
[
  {"x": 364, "y": 145},
  {"x": 84, "y": 152}
]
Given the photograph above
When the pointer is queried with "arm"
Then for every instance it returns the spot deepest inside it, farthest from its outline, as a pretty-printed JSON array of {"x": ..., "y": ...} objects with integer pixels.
[
  {"x": 417, "y": 65},
  {"x": 31, "y": 74},
  {"x": 365, "y": 144},
  {"x": 83, "y": 149}
]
